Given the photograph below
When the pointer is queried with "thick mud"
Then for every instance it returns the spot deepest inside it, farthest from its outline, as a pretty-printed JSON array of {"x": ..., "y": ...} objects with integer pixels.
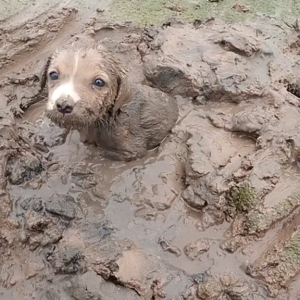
[{"x": 213, "y": 213}]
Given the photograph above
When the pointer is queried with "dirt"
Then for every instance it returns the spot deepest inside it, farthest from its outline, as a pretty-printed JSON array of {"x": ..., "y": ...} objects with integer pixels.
[{"x": 213, "y": 213}]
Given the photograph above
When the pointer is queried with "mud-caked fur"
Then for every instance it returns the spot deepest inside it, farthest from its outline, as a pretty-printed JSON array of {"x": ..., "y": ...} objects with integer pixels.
[{"x": 123, "y": 119}]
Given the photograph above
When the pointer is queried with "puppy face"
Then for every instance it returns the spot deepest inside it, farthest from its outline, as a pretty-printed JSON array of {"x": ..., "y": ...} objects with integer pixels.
[{"x": 83, "y": 85}]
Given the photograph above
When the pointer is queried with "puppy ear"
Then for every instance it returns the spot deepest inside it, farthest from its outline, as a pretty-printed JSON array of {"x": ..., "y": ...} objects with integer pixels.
[
  {"x": 43, "y": 75},
  {"x": 122, "y": 89},
  {"x": 119, "y": 73}
]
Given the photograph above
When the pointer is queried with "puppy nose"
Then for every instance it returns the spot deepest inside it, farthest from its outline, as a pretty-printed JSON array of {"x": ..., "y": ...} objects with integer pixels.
[{"x": 65, "y": 105}]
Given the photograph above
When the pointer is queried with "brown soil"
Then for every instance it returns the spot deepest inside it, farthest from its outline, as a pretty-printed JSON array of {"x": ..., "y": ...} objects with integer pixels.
[{"x": 213, "y": 213}]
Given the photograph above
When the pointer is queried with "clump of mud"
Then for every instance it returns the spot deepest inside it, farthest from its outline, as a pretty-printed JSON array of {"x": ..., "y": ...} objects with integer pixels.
[{"x": 220, "y": 194}]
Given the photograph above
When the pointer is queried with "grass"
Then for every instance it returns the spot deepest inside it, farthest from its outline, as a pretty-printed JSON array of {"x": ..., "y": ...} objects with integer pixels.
[{"x": 149, "y": 12}]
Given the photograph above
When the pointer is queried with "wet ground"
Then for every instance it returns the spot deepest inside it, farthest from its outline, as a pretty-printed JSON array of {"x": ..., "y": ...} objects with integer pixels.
[{"x": 213, "y": 213}]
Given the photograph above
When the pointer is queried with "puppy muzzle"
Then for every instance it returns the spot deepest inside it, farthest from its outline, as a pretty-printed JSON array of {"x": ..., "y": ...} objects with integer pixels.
[{"x": 65, "y": 105}]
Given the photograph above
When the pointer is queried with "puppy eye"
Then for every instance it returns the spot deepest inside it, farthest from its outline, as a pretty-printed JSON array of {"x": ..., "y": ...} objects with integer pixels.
[
  {"x": 53, "y": 75},
  {"x": 99, "y": 82}
]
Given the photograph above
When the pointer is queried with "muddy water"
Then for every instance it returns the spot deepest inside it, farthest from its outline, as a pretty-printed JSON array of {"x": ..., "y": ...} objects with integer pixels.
[
  {"x": 120, "y": 189},
  {"x": 133, "y": 197}
]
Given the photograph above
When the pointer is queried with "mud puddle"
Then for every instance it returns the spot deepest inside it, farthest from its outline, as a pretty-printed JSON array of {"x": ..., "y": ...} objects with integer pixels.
[
  {"x": 213, "y": 213},
  {"x": 125, "y": 194}
]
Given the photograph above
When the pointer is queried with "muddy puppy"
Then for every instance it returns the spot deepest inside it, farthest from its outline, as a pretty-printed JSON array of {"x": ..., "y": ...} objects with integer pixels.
[{"x": 89, "y": 90}]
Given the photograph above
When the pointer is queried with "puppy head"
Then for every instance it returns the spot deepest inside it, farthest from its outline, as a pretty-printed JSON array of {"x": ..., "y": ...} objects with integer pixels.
[{"x": 84, "y": 85}]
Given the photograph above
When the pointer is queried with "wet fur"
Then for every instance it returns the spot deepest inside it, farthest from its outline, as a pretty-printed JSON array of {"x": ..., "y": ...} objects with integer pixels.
[{"x": 125, "y": 121}]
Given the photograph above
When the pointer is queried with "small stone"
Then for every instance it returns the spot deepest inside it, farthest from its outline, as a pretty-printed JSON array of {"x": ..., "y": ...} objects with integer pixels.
[
  {"x": 51, "y": 236},
  {"x": 194, "y": 249},
  {"x": 231, "y": 245},
  {"x": 61, "y": 205},
  {"x": 192, "y": 200},
  {"x": 36, "y": 222},
  {"x": 200, "y": 277},
  {"x": 210, "y": 290},
  {"x": 166, "y": 246}
]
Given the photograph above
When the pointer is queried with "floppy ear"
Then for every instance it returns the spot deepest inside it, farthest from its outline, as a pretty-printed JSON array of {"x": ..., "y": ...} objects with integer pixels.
[
  {"x": 43, "y": 75},
  {"x": 119, "y": 72},
  {"x": 123, "y": 91}
]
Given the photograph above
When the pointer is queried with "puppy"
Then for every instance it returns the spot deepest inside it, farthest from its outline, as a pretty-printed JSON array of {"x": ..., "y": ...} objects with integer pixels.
[{"x": 89, "y": 90}]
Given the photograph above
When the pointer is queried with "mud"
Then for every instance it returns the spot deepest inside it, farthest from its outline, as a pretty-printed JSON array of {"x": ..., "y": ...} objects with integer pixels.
[{"x": 213, "y": 213}]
